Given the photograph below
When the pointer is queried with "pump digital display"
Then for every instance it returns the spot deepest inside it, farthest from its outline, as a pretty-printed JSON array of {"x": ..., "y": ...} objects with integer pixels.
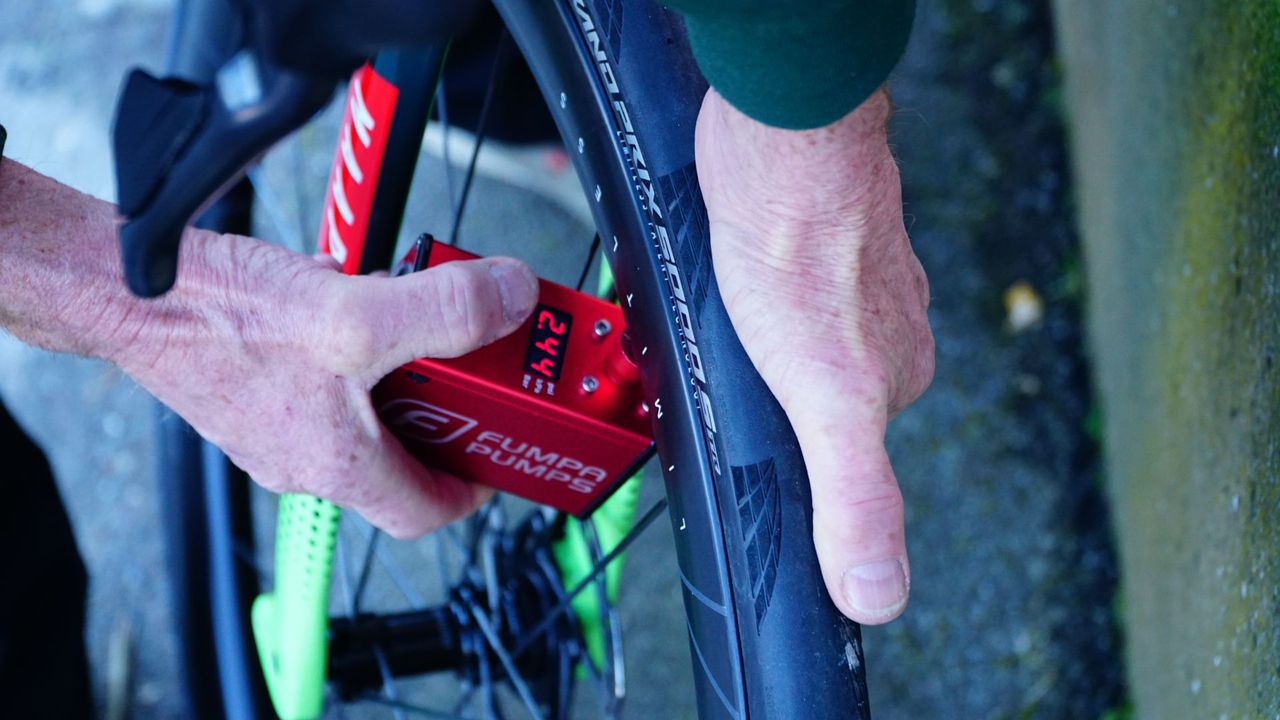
[{"x": 547, "y": 343}]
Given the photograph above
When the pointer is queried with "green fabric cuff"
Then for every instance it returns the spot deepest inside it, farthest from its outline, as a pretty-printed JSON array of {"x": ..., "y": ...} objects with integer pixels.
[{"x": 797, "y": 66}]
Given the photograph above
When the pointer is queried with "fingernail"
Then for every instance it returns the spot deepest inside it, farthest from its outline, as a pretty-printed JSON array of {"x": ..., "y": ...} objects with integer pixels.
[
  {"x": 518, "y": 287},
  {"x": 876, "y": 588}
]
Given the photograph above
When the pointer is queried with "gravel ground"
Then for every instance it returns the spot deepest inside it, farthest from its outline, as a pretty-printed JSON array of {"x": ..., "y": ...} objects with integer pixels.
[{"x": 1012, "y": 568}]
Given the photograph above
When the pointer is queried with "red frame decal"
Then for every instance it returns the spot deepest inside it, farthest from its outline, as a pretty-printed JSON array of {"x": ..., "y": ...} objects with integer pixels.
[{"x": 371, "y": 101}]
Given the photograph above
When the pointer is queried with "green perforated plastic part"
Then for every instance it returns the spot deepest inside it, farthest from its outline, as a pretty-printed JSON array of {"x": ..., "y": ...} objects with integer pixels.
[
  {"x": 604, "y": 285},
  {"x": 291, "y": 623}
]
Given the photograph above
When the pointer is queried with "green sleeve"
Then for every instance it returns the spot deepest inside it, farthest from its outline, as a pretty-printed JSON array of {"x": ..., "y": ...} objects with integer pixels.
[{"x": 792, "y": 64}]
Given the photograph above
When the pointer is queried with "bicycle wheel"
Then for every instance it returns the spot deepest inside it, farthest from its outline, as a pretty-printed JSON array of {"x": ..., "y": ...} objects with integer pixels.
[{"x": 765, "y": 639}]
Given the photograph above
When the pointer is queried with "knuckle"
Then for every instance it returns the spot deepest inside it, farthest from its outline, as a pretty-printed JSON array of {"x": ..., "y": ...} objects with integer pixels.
[
  {"x": 919, "y": 362},
  {"x": 921, "y": 282},
  {"x": 351, "y": 341},
  {"x": 881, "y": 498},
  {"x": 925, "y": 364},
  {"x": 354, "y": 347}
]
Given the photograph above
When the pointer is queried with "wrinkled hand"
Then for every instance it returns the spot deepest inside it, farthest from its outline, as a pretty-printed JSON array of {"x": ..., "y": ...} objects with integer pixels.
[
  {"x": 271, "y": 355},
  {"x": 820, "y": 282}
]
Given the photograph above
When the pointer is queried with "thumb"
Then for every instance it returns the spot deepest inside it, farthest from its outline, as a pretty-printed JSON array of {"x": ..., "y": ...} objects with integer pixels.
[
  {"x": 858, "y": 525},
  {"x": 444, "y": 311}
]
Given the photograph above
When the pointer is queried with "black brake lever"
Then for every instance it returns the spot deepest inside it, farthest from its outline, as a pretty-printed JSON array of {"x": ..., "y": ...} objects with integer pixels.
[{"x": 178, "y": 146}]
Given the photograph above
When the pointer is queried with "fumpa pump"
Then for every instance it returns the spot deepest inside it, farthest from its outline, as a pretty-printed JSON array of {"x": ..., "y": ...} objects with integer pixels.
[{"x": 551, "y": 413}]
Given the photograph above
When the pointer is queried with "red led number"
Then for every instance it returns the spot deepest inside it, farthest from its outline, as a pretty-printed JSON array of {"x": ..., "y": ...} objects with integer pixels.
[
  {"x": 547, "y": 321},
  {"x": 548, "y": 343},
  {"x": 545, "y": 366}
]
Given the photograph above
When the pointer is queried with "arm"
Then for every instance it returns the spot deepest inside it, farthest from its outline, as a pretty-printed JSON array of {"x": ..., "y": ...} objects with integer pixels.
[{"x": 267, "y": 353}]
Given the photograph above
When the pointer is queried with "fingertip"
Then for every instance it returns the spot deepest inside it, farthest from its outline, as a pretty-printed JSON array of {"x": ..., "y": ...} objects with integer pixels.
[
  {"x": 875, "y": 592},
  {"x": 517, "y": 286}
]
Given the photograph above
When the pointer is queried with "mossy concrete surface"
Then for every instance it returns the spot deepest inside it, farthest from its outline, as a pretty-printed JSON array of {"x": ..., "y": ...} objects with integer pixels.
[{"x": 1175, "y": 125}]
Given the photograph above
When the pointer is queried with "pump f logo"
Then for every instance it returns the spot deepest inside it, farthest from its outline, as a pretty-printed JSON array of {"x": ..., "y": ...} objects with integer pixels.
[{"x": 424, "y": 422}]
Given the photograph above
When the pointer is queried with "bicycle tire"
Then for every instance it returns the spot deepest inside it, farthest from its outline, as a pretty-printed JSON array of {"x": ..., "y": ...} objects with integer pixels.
[{"x": 767, "y": 642}]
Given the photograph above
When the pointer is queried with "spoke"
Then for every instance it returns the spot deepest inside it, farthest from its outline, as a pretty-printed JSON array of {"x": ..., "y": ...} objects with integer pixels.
[
  {"x": 612, "y": 671},
  {"x": 398, "y": 576},
  {"x": 268, "y": 200},
  {"x": 513, "y": 674},
  {"x": 494, "y": 525},
  {"x": 442, "y": 113},
  {"x": 468, "y": 692},
  {"x": 490, "y": 570},
  {"x": 499, "y": 61},
  {"x": 365, "y": 567},
  {"x": 486, "y": 681},
  {"x": 451, "y": 532},
  {"x": 388, "y": 683},
  {"x": 300, "y": 198},
  {"x": 650, "y": 515},
  {"x": 591, "y": 256},
  {"x": 619, "y": 667},
  {"x": 344, "y": 575},
  {"x": 478, "y": 522},
  {"x": 442, "y": 561}
]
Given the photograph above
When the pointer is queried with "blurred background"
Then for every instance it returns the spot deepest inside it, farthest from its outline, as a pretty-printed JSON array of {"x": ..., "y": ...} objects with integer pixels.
[{"x": 1050, "y": 579}]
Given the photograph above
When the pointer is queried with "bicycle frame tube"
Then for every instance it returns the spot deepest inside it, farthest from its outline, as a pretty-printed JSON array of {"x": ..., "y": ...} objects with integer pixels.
[{"x": 387, "y": 105}]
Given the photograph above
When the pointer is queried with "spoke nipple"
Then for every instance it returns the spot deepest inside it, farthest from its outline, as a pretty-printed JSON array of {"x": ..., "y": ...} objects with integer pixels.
[
  {"x": 602, "y": 328},
  {"x": 590, "y": 384}
]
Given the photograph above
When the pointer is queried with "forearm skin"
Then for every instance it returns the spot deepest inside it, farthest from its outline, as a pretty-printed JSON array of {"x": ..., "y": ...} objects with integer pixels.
[{"x": 61, "y": 285}]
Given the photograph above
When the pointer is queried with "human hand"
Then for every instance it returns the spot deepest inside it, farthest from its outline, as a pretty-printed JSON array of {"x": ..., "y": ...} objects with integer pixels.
[
  {"x": 270, "y": 355},
  {"x": 829, "y": 301}
]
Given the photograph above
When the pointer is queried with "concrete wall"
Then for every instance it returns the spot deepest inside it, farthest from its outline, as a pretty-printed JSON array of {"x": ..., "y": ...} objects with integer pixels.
[{"x": 1175, "y": 120}]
